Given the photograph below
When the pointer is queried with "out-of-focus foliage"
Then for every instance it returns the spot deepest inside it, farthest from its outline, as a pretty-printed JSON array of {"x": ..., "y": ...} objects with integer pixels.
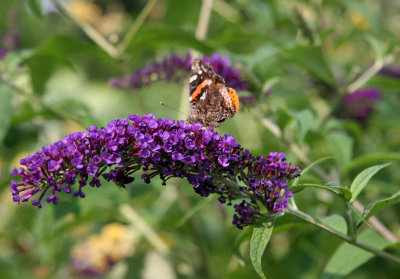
[{"x": 300, "y": 59}]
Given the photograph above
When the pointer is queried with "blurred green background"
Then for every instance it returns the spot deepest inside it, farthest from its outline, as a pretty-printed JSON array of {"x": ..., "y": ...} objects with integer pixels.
[{"x": 56, "y": 83}]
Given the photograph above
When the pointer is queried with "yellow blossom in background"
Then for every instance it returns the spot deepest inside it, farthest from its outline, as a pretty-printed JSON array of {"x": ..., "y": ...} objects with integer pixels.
[
  {"x": 100, "y": 252},
  {"x": 106, "y": 23},
  {"x": 359, "y": 20},
  {"x": 85, "y": 11}
]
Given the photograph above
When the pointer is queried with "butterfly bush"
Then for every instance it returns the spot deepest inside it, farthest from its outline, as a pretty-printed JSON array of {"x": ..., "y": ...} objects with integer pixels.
[
  {"x": 360, "y": 104},
  {"x": 175, "y": 68},
  {"x": 391, "y": 71},
  {"x": 158, "y": 148}
]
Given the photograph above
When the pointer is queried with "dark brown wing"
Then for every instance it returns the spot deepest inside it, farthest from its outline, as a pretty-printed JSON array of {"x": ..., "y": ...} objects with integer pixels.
[{"x": 210, "y": 101}]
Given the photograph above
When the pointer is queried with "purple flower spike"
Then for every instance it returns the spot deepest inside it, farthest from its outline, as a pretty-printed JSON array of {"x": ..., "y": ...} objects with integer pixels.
[
  {"x": 163, "y": 148},
  {"x": 222, "y": 67},
  {"x": 177, "y": 69},
  {"x": 391, "y": 71},
  {"x": 360, "y": 104}
]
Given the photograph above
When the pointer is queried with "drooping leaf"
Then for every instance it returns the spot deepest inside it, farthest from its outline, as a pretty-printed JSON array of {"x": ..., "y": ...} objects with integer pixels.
[
  {"x": 381, "y": 204},
  {"x": 349, "y": 257},
  {"x": 363, "y": 178},
  {"x": 308, "y": 168},
  {"x": 259, "y": 240},
  {"x": 338, "y": 190}
]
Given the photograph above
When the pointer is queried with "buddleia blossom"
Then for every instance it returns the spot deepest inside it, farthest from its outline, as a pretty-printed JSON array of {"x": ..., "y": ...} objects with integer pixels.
[
  {"x": 177, "y": 69},
  {"x": 360, "y": 104},
  {"x": 159, "y": 148},
  {"x": 391, "y": 71}
]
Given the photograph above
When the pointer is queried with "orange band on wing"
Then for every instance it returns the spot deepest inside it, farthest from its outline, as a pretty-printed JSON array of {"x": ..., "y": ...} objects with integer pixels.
[
  {"x": 197, "y": 92},
  {"x": 234, "y": 98}
]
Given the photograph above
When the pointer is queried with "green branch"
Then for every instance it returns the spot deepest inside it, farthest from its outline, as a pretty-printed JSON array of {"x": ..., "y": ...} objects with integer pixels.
[{"x": 342, "y": 236}]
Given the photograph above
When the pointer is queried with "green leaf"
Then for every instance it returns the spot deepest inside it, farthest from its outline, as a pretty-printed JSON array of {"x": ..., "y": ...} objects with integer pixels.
[
  {"x": 5, "y": 109},
  {"x": 348, "y": 257},
  {"x": 340, "y": 191},
  {"x": 311, "y": 58},
  {"x": 270, "y": 83},
  {"x": 362, "y": 179},
  {"x": 14, "y": 59},
  {"x": 161, "y": 35},
  {"x": 343, "y": 146},
  {"x": 193, "y": 211},
  {"x": 62, "y": 51},
  {"x": 304, "y": 121},
  {"x": 377, "y": 47},
  {"x": 262, "y": 54},
  {"x": 259, "y": 240},
  {"x": 242, "y": 237},
  {"x": 309, "y": 167},
  {"x": 336, "y": 222},
  {"x": 283, "y": 117},
  {"x": 36, "y": 7},
  {"x": 381, "y": 204},
  {"x": 346, "y": 193},
  {"x": 371, "y": 158}
]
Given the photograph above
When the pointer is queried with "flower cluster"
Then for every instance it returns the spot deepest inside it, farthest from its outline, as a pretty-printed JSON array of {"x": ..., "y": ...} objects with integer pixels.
[
  {"x": 391, "y": 71},
  {"x": 100, "y": 252},
  {"x": 360, "y": 104},
  {"x": 175, "y": 68},
  {"x": 159, "y": 147}
]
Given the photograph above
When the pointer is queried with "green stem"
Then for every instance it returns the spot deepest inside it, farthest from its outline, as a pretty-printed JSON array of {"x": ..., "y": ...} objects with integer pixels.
[
  {"x": 135, "y": 27},
  {"x": 367, "y": 75},
  {"x": 35, "y": 98},
  {"x": 204, "y": 19},
  {"x": 92, "y": 33},
  {"x": 350, "y": 225},
  {"x": 342, "y": 236}
]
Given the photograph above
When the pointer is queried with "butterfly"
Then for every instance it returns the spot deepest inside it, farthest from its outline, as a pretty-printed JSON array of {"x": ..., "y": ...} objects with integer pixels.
[{"x": 211, "y": 101}]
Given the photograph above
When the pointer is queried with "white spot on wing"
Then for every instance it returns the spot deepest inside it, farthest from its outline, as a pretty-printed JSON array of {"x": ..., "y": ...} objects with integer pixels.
[
  {"x": 193, "y": 78},
  {"x": 203, "y": 96}
]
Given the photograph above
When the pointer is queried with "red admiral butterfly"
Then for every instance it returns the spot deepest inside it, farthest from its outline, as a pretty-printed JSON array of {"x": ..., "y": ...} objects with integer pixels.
[{"x": 211, "y": 101}]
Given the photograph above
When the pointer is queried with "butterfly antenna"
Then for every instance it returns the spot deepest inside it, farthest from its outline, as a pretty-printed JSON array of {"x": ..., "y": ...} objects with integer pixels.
[{"x": 171, "y": 108}]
